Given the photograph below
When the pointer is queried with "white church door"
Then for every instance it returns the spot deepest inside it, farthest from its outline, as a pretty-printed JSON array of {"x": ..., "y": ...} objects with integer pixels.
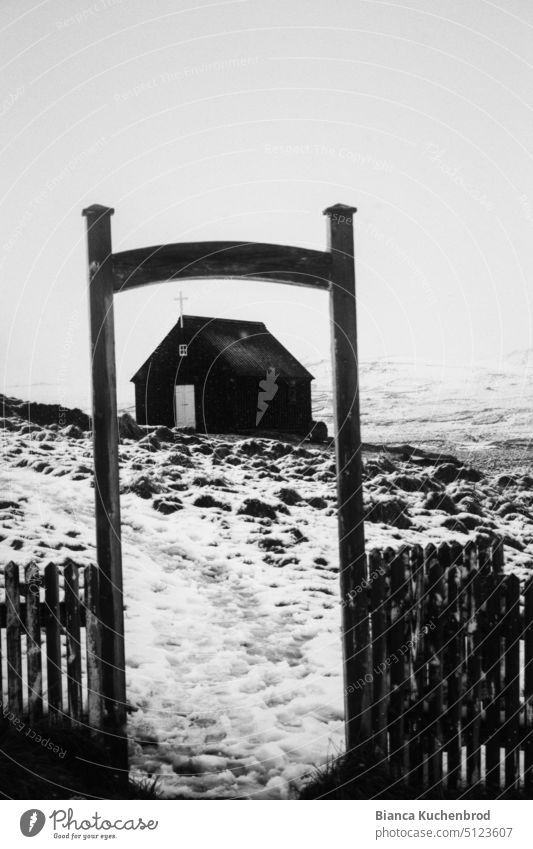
[{"x": 185, "y": 407}]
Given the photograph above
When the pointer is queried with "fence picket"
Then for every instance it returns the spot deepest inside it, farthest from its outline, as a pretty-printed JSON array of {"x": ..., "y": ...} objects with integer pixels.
[
  {"x": 388, "y": 557},
  {"x": 417, "y": 604},
  {"x": 13, "y": 638},
  {"x": 528, "y": 685},
  {"x": 473, "y": 700},
  {"x": 493, "y": 672},
  {"x": 465, "y": 635},
  {"x": 435, "y": 593},
  {"x": 453, "y": 673},
  {"x": 53, "y": 644},
  {"x": 512, "y": 632},
  {"x": 498, "y": 556},
  {"x": 94, "y": 648},
  {"x": 379, "y": 653},
  {"x": 72, "y": 615},
  {"x": 2, "y": 605},
  {"x": 399, "y": 666},
  {"x": 33, "y": 642}
]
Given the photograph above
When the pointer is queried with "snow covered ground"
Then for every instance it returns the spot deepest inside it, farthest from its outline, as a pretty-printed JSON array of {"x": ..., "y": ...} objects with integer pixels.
[
  {"x": 230, "y": 565},
  {"x": 232, "y": 617}
]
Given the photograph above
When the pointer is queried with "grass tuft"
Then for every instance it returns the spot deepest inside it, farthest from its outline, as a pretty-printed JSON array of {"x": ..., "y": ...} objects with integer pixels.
[{"x": 358, "y": 777}]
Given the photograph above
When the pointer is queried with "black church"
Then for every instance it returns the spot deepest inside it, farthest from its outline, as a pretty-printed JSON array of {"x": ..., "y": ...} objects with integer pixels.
[{"x": 220, "y": 375}]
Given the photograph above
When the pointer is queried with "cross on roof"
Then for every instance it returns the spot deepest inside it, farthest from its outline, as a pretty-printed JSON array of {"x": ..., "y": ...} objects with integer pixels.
[{"x": 181, "y": 299}]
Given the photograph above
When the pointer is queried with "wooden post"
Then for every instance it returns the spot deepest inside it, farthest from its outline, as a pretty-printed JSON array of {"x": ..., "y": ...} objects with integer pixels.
[
  {"x": 53, "y": 644},
  {"x": 33, "y": 643},
  {"x": 13, "y": 633},
  {"x": 354, "y": 599},
  {"x": 94, "y": 651},
  {"x": 72, "y": 627},
  {"x": 106, "y": 479}
]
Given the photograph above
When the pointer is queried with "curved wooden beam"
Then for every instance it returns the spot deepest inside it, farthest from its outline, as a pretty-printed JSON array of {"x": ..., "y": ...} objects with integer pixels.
[{"x": 251, "y": 260}]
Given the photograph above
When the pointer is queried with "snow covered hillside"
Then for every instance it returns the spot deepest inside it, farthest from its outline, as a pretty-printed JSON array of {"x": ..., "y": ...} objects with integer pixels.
[
  {"x": 231, "y": 585},
  {"x": 482, "y": 412}
]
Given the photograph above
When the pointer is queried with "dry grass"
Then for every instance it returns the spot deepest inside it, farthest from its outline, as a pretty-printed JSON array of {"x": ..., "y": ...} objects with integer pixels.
[{"x": 359, "y": 778}]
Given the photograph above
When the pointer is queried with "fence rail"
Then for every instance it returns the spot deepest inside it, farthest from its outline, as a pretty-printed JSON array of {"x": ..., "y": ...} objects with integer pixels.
[
  {"x": 451, "y": 660},
  {"x": 51, "y": 667}
]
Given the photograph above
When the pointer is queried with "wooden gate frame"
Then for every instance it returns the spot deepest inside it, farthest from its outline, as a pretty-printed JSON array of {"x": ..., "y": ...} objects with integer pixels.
[{"x": 332, "y": 270}]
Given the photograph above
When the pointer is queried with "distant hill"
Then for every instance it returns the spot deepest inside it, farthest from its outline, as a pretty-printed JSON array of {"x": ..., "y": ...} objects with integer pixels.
[{"x": 424, "y": 401}]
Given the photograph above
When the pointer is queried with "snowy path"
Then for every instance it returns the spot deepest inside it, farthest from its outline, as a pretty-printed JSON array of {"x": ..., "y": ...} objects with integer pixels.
[{"x": 237, "y": 659}]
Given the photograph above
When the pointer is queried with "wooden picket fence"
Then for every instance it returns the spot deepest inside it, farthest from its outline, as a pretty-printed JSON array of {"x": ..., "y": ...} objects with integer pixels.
[
  {"x": 451, "y": 677},
  {"x": 48, "y": 619},
  {"x": 449, "y": 694}
]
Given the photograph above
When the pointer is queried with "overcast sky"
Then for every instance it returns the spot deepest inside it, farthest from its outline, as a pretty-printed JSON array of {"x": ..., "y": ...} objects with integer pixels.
[{"x": 245, "y": 119}]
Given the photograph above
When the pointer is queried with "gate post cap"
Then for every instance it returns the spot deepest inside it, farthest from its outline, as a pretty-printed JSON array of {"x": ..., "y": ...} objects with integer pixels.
[
  {"x": 341, "y": 208},
  {"x": 96, "y": 210}
]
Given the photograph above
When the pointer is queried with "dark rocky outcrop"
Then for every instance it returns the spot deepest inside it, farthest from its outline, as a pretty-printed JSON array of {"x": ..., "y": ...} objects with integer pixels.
[{"x": 44, "y": 414}]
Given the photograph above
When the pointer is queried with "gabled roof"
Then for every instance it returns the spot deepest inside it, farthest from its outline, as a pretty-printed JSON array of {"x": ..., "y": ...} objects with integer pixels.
[{"x": 247, "y": 348}]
